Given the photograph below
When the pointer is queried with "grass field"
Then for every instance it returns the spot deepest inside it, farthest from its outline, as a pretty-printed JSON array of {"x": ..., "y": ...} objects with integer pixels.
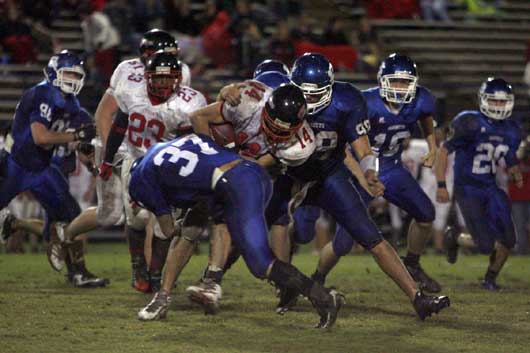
[{"x": 40, "y": 313}]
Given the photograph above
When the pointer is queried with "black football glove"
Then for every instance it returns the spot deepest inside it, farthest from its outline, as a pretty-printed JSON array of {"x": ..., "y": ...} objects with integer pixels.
[
  {"x": 85, "y": 133},
  {"x": 86, "y": 148}
]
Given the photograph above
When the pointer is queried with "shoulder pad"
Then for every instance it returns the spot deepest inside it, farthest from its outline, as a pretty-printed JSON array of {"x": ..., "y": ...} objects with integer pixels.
[{"x": 346, "y": 95}]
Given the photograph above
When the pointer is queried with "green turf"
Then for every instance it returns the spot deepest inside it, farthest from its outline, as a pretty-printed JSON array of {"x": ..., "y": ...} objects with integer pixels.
[{"x": 40, "y": 313}]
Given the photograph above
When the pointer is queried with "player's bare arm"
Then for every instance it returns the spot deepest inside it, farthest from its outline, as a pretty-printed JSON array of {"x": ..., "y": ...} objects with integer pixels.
[
  {"x": 230, "y": 94},
  {"x": 202, "y": 118},
  {"x": 46, "y": 138},
  {"x": 368, "y": 161},
  {"x": 114, "y": 140},
  {"x": 427, "y": 126},
  {"x": 442, "y": 195},
  {"x": 355, "y": 168},
  {"x": 106, "y": 109},
  {"x": 516, "y": 175}
]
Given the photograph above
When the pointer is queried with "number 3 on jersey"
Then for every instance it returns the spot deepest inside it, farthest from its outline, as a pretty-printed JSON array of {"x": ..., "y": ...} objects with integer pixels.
[
  {"x": 176, "y": 154},
  {"x": 140, "y": 129}
]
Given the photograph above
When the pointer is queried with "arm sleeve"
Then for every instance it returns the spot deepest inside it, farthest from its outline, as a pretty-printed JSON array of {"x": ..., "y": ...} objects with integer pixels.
[
  {"x": 116, "y": 135},
  {"x": 428, "y": 107},
  {"x": 462, "y": 131}
]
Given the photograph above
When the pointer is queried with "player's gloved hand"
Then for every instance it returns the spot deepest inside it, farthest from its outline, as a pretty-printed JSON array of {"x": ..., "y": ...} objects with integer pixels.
[
  {"x": 85, "y": 133},
  {"x": 429, "y": 158},
  {"x": 442, "y": 195},
  {"x": 105, "y": 171},
  {"x": 86, "y": 148},
  {"x": 376, "y": 186}
]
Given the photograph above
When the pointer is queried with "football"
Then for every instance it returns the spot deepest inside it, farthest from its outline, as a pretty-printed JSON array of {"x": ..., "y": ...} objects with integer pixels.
[{"x": 223, "y": 134}]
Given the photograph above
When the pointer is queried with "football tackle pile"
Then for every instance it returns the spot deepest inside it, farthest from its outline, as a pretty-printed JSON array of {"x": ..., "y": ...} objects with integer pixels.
[{"x": 266, "y": 157}]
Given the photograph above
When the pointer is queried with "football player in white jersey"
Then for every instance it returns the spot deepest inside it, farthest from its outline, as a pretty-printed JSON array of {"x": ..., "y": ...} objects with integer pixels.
[
  {"x": 259, "y": 137},
  {"x": 270, "y": 128},
  {"x": 110, "y": 209},
  {"x": 157, "y": 111}
]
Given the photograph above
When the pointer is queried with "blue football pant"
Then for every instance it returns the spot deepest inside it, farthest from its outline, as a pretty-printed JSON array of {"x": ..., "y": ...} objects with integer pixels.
[{"x": 487, "y": 213}]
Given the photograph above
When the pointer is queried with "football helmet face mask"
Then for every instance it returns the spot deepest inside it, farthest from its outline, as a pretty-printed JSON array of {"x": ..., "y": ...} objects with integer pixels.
[
  {"x": 496, "y": 99},
  {"x": 283, "y": 114},
  {"x": 398, "y": 79},
  {"x": 271, "y": 66},
  {"x": 313, "y": 73},
  {"x": 65, "y": 71},
  {"x": 157, "y": 40},
  {"x": 162, "y": 74}
]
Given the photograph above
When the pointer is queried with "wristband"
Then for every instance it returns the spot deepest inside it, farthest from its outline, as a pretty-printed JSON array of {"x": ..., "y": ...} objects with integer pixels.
[
  {"x": 369, "y": 162},
  {"x": 442, "y": 185}
]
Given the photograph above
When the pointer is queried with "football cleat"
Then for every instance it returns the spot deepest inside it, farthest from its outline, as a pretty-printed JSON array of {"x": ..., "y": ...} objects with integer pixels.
[
  {"x": 140, "y": 276},
  {"x": 327, "y": 307},
  {"x": 288, "y": 298},
  {"x": 85, "y": 279},
  {"x": 6, "y": 222},
  {"x": 490, "y": 285},
  {"x": 451, "y": 244},
  {"x": 425, "y": 282},
  {"x": 207, "y": 293},
  {"x": 426, "y": 305},
  {"x": 157, "y": 308},
  {"x": 56, "y": 254}
]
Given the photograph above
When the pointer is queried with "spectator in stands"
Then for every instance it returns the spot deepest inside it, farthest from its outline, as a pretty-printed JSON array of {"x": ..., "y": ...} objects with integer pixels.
[
  {"x": 302, "y": 30},
  {"x": 16, "y": 38},
  {"x": 148, "y": 14},
  {"x": 434, "y": 10},
  {"x": 121, "y": 17},
  {"x": 521, "y": 201},
  {"x": 526, "y": 76},
  {"x": 179, "y": 17},
  {"x": 368, "y": 46},
  {"x": 282, "y": 45},
  {"x": 101, "y": 42},
  {"x": 387, "y": 9},
  {"x": 217, "y": 40},
  {"x": 481, "y": 7},
  {"x": 334, "y": 33},
  {"x": 253, "y": 48}
]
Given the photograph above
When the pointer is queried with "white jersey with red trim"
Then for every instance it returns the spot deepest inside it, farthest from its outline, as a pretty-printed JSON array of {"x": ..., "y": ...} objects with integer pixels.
[
  {"x": 246, "y": 119},
  {"x": 130, "y": 73},
  {"x": 149, "y": 123}
]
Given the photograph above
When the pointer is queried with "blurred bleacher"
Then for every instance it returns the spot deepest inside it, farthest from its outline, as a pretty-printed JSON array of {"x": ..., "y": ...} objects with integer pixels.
[{"x": 453, "y": 57}]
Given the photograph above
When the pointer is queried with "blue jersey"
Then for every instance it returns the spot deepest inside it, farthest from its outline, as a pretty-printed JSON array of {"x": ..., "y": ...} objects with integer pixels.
[
  {"x": 44, "y": 104},
  {"x": 343, "y": 121},
  {"x": 480, "y": 143},
  {"x": 63, "y": 156},
  {"x": 177, "y": 173},
  {"x": 388, "y": 130}
]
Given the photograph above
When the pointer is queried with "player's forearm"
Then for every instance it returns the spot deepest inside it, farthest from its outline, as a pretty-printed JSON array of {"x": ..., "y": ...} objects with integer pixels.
[
  {"x": 354, "y": 167},
  {"x": 106, "y": 109},
  {"x": 431, "y": 141},
  {"x": 441, "y": 163},
  {"x": 45, "y": 138},
  {"x": 364, "y": 153},
  {"x": 201, "y": 118},
  {"x": 116, "y": 136}
]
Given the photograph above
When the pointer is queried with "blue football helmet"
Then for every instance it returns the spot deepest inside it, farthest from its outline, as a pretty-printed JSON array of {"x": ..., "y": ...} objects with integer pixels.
[
  {"x": 496, "y": 98},
  {"x": 271, "y": 65},
  {"x": 66, "y": 62},
  {"x": 398, "y": 79},
  {"x": 272, "y": 79},
  {"x": 313, "y": 73}
]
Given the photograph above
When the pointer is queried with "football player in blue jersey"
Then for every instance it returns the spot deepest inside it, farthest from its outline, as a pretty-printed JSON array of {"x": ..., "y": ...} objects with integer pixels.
[
  {"x": 271, "y": 65},
  {"x": 481, "y": 139},
  {"x": 395, "y": 107},
  {"x": 338, "y": 115},
  {"x": 180, "y": 173},
  {"x": 43, "y": 119}
]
